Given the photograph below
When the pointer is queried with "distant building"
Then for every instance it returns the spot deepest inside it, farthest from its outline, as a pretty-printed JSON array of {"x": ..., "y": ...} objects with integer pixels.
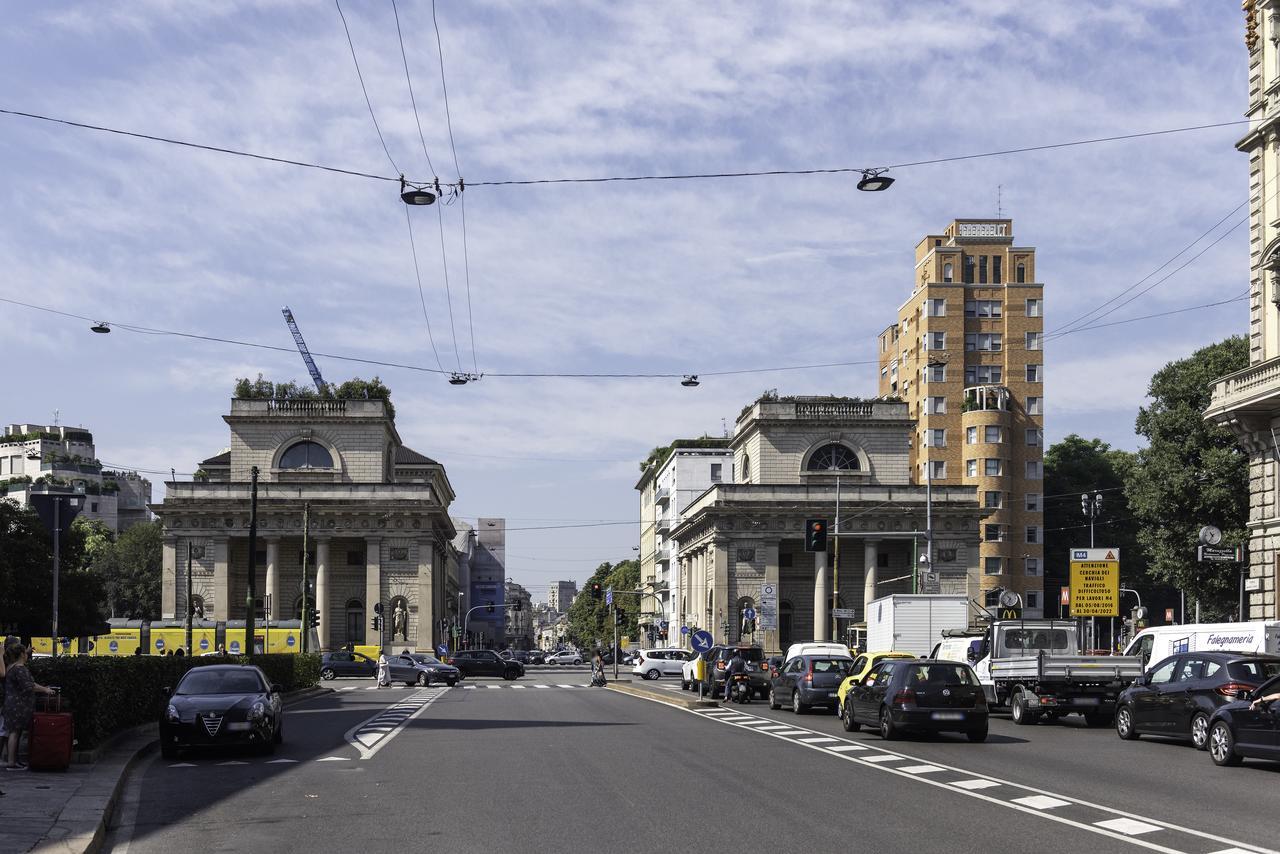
[
  {"x": 520, "y": 617},
  {"x": 561, "y": 595},
  {"x": 488, "y": 576},
  {"x": 688, "y": 469},
  {"x": 55, "y": 458}
]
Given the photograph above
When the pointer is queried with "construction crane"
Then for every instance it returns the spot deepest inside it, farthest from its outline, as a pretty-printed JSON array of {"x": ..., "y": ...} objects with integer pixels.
[{"x": 302, "y": 348}]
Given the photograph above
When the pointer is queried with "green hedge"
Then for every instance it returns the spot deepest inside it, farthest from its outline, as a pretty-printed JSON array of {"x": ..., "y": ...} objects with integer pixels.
[{"x": 107, "y": 695}]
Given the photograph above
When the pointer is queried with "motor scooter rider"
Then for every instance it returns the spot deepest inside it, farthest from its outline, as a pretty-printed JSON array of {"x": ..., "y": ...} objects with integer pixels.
[{"x": 737, "y": 664}]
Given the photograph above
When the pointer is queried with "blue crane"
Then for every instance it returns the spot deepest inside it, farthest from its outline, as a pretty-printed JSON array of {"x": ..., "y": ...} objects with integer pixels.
[{"x": 302, "y": 348}]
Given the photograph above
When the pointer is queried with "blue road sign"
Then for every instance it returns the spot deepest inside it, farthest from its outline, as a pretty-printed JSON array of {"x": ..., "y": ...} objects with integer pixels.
[
  {"x": 663, "y": 625},
  {"x": 204, "y": 643},
  {"x": 235, "y": 647},
  {"x": 684, "y": 630},
  {"x": 442, "y": 651},
  {"x": 289, "y": 640},
  {"x": 702, "y": 641},
  {"x": 160, "y": 644},
  {"x": 748, "y": 613},
  {"x": 114, "y": 646},
  {"x": 608, "y": 596}
]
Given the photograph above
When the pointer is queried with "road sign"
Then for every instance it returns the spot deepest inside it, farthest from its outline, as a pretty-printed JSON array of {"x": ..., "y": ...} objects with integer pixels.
[
  {"x": 843, "y": 613},
  {"x": 663, "y": 625},
  {"x": 608, "y": 596},
  {"x": 160, "y": 644},
  {"x": 930, "y": 583},
  {"x": 1064, "y": 596},
  {"x": 702, "y": 641},
  {"x": 1252, "y": 585},
  {"x": 1220, "y": 554},
  {"x": 1095, "y": 582},
  {"x": 684, "y": 630},
  {"x": 768, "y": 610}
]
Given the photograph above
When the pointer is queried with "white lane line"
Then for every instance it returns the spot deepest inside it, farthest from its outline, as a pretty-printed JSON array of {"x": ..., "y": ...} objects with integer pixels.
[
  {"x": 334, "y": 759},
  {"x": 822, "y": 739},
  {"x": 774, "y": 728},
  {"x": 1127, "y": 825},
  {"x": 542, "y": 686},
  {"x": 882, "y": 757},
  {"x": 281, "y": 761},
  {"x": 494, "y": 687},
  {"x": 1234, "y": 851},
  {"x": 468, "y": 687},
  {"x": 919, "y": 769},
  {"x": 233, "y": 762},
  {"x": 348, "y": 688},
  {"x": 1041, "y": 802},
  {"x": 973, "y": 785},
  {"x": 794, "y": 732},
  {"x": 846, "y": 747},
  {"x": 370, "y": 736},
  {"x": 756, "y": 722},
  {"x": 519, "y": 687},
  {"x": 183, "y": 765},
  {"x": 736, "y": 719}
]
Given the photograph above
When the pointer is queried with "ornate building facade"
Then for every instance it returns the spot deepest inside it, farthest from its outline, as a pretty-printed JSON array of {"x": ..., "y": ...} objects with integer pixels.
[{"x": 378, "y": 532}]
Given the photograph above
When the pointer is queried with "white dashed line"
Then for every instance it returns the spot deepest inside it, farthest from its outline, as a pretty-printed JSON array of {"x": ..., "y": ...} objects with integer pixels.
[
  {"x": 973, "y": 785},
  {"x": 1127, "y": 826},
  {"x": 1041, "y": 802},
  {"x": 334, "y": 759},
  {"x": 920, "y": 769},
  {"x": 843, "y": 748},
  {"x": 281, "y": 761},
  {"x": 822, "y": 739},
  {"x": 882, "y": 757},
  {"x": 369, "y": 736}
]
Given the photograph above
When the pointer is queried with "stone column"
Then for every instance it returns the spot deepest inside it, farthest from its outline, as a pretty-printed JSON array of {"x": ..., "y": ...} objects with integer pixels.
[
  {"x": 720, "y": 577},
  {"x": 278, "y": 608},
  {"x": 372, "y": 588},
  {"x": 322, "y": 590},
  {"x": 221, "y": 579},
  {"x": 427, "y": 558},
  {"x": 169, "y": 578},
  {"x": 821, "y": 592},
  {"x": 771, "y": 646},
  {"x": 870, "y": 557}
]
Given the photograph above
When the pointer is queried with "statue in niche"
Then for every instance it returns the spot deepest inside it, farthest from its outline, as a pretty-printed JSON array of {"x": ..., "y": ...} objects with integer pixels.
[{"x": 400, "y": 622}]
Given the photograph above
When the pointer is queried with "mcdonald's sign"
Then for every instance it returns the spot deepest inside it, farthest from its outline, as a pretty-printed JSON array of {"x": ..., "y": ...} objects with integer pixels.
[{"x": 1010, "y": 613}]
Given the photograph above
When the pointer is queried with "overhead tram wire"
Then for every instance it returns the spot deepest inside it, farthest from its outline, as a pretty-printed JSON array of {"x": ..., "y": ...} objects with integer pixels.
[
  {"x": 412, "y": 100},
  {"x": 417, "y": 273},
  {"x": 360, "y": 76}
]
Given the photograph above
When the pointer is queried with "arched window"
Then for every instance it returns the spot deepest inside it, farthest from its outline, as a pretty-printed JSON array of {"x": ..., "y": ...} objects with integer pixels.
[
  {"x": 746, "y": 468},
  {"x": 306, "y": 455},
  {"x": 948, "y": 271},
  {"x": 834, "y": 457}
]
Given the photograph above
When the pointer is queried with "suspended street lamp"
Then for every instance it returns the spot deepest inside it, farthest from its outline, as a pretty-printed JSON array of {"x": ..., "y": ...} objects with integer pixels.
[
  {"x": 414, "y": 195},
  {"x": 874, "y": 180},
  {"x": 101, "y": 327},
  {"x": 689, "y": 381}
]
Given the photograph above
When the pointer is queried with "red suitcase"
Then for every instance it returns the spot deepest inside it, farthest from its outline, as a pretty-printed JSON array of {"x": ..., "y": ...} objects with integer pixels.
[{"x": 52, "y": 734}]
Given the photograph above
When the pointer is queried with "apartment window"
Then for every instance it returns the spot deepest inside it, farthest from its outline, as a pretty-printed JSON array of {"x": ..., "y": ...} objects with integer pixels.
[
  {"x": 984, "y": 341},
  {"x": 992, "y": 435},
  {"x": 948, "y": 272},
  {"x": 937, "y": 307},
  {"x": 1021, "y": 274},
  {"x": 937, "y": 469},
  {"x": 937, "y": 406},
  {"x": 937, "y": 438},
  {"x": 1033, "y": 598},
  {"x": 971, "y": 435},
  {"x": 983, "y": 308},
  {"x": 935, "y": 341},
  {"x": 971, "y": 468},
  {"x": 996, "y": 272},
  {"x": 1035, "y": 406},
  {"x": 992, "y": 467},
  {"x": 934, "y": 373},
  {"x": 993, "y": 533},
  {"x": 968, "y": 269},
  {"x": 982, "y": 269},
  {"x": 1034, "y": 470},
  {"x": 1033, "y": 568},
  {"x": 716, "y": 469},
  {"x": 1035, "y": 373},
  {"x": 1033, "y": 534},
  {"x": 1033, "y": 502},
  {"x": 1034, "y": 340},
  {"x": 993, "y": 565},
  {"x": 993, "y": 500},
  {"x": 1035, "y": 436},
  {"x": 1034, "y": 306},
  {"x": 983, "y": 374}
]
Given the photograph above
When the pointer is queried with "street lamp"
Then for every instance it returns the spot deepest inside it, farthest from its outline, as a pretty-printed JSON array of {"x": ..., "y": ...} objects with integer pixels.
[
  {"x": 874, "y": 180},
  {"x": 690, "y": 380},
  {"x": 414, "y": 195},
  {"x": 101, "y": 327}
]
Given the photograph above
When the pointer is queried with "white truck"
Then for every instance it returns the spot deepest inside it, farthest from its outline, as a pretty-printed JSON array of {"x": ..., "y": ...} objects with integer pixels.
[
  {"x": 1157, "y": 643},
  {"x": 1036, "y": 669},
  {"x": 906, "y": 622}
]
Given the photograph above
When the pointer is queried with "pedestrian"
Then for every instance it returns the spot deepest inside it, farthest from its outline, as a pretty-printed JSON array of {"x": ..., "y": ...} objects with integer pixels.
[
  {"x": 597, "y": 670},
  {"x": 179, "y": 653},
  {"x": 10, "y": 647},
  {"x": 137, "y": 650},
  {"x": 384, "y": 671},
  {"x": 19, "y": 702}
]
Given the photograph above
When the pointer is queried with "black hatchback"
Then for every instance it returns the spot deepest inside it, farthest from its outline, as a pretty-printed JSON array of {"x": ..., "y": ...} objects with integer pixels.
[
  {"x": 918, "y": 695},
  {"x": 1179, "y": 695},
  {"x": 1249, "y": 726}
]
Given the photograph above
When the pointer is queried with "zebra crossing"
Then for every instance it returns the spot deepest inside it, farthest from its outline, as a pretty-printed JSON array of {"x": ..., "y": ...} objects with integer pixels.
[{"x": 370, "y": 736}]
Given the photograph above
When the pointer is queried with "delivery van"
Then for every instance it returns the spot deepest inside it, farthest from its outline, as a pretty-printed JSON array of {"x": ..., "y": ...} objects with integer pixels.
[{"x": 1159, "y": 642}]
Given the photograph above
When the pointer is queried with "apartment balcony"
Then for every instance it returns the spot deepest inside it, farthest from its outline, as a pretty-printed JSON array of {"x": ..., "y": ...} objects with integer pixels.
[
  {"x": 663, "y": 555},
  {"x": 664, "y": 524},
  {"x": 1251, "y": 393},
  {"x": 663, "y": 495},
  {"x": 982, "y": 398}
]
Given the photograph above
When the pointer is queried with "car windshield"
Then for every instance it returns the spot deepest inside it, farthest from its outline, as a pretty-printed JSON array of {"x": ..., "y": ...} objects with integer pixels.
[
  {"x": 204, "y": 681},
  {"x": 842, "y": 666},
  {"x": 940, "y": 674},
  {"x": 1253, "y": 671},
  {"x": 427, "y": 659},
  {"x": 1036, "y": 639}
]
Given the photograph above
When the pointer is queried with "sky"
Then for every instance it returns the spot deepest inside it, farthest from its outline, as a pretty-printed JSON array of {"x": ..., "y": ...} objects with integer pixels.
[{"x": 672, "y": 277}]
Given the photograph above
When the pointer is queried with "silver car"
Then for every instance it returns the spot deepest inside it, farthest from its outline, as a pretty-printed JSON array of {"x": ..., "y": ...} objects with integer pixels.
[{"x": 565, "y": 657}]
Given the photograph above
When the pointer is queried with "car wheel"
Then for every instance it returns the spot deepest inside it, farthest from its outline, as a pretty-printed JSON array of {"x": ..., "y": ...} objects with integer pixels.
[
  {"x": 888, "y": 731},
  {"x": 423, "y": 680},
  {"x": 1200, "y": 731},
  {"x": 847, "y": 721},
  {"x": 168, "y": 751},
  {"x": 1018, "y": 709},
  {"x": 510, "y": 675},
  {"x": 773, "y": 701},
  {"x": 653, "y": 674},
  {"x": 1222, "y": 745},
  {"x": 577, "y": 661},
  {"x": 327, "y": 674},
  {"x": 684, "y": 685},
  {"x": 1124, "y": 724},
  {"x": 977, "y": 735},
  {"x": 796, "y": 706}
]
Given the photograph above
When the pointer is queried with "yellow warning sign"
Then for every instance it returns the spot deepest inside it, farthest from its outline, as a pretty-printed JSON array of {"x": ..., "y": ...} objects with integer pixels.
[{"x": 1095, "y": 582}]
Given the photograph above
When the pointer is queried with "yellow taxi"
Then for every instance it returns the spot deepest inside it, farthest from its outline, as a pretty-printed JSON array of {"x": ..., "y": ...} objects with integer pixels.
[{"x": 861, "y": 666}]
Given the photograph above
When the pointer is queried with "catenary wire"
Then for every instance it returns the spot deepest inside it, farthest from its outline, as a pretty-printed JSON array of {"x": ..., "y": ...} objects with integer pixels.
[
  {"x": 412, "y": 100},
  {"x": 448, "y": 293},
  {"x": 417, "y": 273},
  {"x": 359, "y": 75}
]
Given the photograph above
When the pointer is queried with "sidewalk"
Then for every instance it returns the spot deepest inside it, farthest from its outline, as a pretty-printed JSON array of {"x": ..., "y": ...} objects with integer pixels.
[{"x": 66, "y": 812}]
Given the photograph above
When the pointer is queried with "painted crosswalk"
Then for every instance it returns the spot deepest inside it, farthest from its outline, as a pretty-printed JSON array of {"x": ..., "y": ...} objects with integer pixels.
[{"x": 370, "y": 736}]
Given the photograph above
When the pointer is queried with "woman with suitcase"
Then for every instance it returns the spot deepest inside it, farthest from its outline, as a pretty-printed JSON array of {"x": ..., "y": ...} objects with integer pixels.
[{"x": 19, "y": 703}]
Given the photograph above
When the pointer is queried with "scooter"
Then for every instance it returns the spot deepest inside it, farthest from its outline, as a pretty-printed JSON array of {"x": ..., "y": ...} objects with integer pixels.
[{"x": 740, "y": 688}]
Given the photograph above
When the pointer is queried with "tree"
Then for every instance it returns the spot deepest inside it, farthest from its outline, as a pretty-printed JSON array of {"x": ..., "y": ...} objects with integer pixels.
[
  {"x": 589, "y": 624},
  {"x": 26, "y": 578},
  {"x": 130, "y": 572},
  {"x": 1191, "y": 474}
]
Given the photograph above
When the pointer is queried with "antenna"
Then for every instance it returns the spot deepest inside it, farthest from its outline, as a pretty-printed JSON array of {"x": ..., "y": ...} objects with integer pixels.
[
  {"x": 999, "y": 204},
  {"x": 724, "y": 427},
  {"x": 302, "y": 348},
  {"x": 56, "y": 415}
]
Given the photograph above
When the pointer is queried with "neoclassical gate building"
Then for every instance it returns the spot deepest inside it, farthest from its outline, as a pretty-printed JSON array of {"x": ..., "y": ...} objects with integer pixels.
[
  {"x": 379, "y": 528},
  {"x": 791, "y": 457}
]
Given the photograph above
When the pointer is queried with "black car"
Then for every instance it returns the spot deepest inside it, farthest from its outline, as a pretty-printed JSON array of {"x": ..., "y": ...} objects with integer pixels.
[
  {"x": 344, "y": 663},
  {"x": 717, "y": 659},
  {"x": 1179, "y": 695},
  {"x": 1238, "y": 730},
  {"x": 222, "y": 704},
  {"x": 427, "y": 669},
  {"x": 807, "y": 681},
  {"x": 918, "y": 695},
  {"x": 485, "y": 662}
]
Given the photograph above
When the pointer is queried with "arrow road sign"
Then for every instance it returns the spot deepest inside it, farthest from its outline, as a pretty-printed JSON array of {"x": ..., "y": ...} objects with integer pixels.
[
  {"x": 608, "y": 596},
  {"x": 702, "y": 641}
]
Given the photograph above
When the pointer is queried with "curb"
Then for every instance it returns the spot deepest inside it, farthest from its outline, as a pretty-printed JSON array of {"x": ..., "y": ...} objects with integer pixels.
[{"x": 678, "y": 702}]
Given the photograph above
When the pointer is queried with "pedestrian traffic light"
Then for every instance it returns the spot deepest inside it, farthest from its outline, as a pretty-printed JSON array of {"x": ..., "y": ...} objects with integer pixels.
[
  {"x": 376, "y": 624},
  {"x": 489, "y": 608},
  {"x": 596, "y": 590},
  {"x": 815, "y": 535}
]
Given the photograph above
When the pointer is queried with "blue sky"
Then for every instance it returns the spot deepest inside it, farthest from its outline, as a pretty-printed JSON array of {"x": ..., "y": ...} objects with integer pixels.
[{"x": 667, "y": 277}]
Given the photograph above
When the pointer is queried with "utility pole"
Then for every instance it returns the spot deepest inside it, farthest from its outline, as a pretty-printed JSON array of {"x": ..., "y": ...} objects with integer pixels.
[
  {"x": 252, "y": 594},
  {"x": 1091, "y": 506},
  {"x": 614, "y": 609},
  {"x": 835, "y": 572},
  {"x": 190, "y": 610},
  {"x": 306, "y": 610},
  {"x": 57, "y": 565}
]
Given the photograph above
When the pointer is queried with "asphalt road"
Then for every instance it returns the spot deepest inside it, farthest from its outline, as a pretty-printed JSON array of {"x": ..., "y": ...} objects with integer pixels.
[{"x": 536, "y": 765}]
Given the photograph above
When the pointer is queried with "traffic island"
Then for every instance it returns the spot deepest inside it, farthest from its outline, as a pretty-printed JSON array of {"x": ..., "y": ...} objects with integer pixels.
[{"x": 679, "y": 699}]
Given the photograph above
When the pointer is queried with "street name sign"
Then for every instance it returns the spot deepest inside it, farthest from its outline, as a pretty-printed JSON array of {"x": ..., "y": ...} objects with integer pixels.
[
  {"x": 1095, "y": 582},
  {"x": 608, "y": 596},
  {"x": 1220, "y": 554},
  {"x": 843, "y": 613}
]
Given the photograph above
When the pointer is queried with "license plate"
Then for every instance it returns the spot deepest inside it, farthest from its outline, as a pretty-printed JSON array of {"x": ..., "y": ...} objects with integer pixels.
[
  {"x": 238, "y": 726},
  {"x": 1086, "y": 701},
  {"x": 947, "y": 716}
]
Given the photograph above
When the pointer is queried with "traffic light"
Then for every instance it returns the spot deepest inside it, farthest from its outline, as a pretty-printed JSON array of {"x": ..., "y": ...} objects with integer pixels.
[
  {"x": 620, "y": 616},
  {"x": 314, "y": 619},
  {"x": 815, "y": 535},
  {"x": 376, "y": 624},
  {"x": 596, "y": 590},
  {"x": 377, "y": 607},
  {"x": 489, "y": 608}
]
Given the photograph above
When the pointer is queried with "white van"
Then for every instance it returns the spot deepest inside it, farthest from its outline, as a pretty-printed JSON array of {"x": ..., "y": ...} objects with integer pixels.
[
  {"x": 962, "y": 648},
  {"x": 1159, "y": 642}
]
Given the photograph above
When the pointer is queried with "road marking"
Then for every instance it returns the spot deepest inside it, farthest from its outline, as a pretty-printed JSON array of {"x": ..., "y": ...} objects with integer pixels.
[
  {"x": 882, "y": 757},
  {"x": 1042, "y": 802},
  {"x": 469, "y": 687},
  {"x": 517, "y": 686},
  {"x": 280, "y": 761},
  {"x": 972, "y": 785},
  {"x": 183, "y": 765},
  {"x": 774, "y": 728},
  {"x": 369, "y": 736},
  {"x": 1127, "y": 825},
  {"x": 334, "y": 759},
  {"x": 822, "y": 739},
  {"x": 846, "y": 747},
  {"x": 920, "y": 769},
  {"x": 494, "y": 687},
  {"x": 233, "y": 762},
  {"x": 542, "y": 686},
  {"x": 348, "y": 688}
]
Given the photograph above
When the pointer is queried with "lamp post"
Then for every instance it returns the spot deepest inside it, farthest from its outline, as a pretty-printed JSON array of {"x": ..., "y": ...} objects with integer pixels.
[
  {"x": 251, "y": 593},
  {"x": 49, "y": 507},
  {"x": 1091, "y": 506}
]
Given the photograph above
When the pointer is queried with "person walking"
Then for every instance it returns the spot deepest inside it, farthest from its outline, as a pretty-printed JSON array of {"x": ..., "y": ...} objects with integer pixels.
[
  {"x": 597, "y": 670},
  {"x": 19, "y": 703},
  {"x": 384, "y": 671}
]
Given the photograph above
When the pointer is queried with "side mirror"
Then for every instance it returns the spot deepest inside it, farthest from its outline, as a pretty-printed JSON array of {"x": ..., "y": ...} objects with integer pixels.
[
  {"x": 971, "y": 655},
  {"x": 1144, "y": 679}
]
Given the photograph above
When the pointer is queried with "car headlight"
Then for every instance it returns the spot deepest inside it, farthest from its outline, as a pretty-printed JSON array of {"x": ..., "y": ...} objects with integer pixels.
[
  {"x": 257, "y": 710},
  {"x": 172, "y": 714}
]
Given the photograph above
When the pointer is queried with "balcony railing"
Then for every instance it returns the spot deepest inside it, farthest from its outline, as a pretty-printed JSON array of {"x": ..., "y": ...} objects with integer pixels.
[
  {"x": 662, "y": 495},
  {"x": 664, "y": 523},
  {"x": 664, "y": 554},
  {"x": 834, "y": 409},
  {"x": 306, "y": 407},
  {"x": 987, "y": 397},
  {"x": 1253, "y": 385}
]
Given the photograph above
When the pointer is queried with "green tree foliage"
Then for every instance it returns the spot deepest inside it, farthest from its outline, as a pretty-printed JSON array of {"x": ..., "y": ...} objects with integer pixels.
[
  {"x": 130, "y": 571},
  {"x": 1191, "y": 474},
  {"x": 352, "y": 389},
  {"x": 26, "y": 578},
  {"x": 589, "y": 623}
]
